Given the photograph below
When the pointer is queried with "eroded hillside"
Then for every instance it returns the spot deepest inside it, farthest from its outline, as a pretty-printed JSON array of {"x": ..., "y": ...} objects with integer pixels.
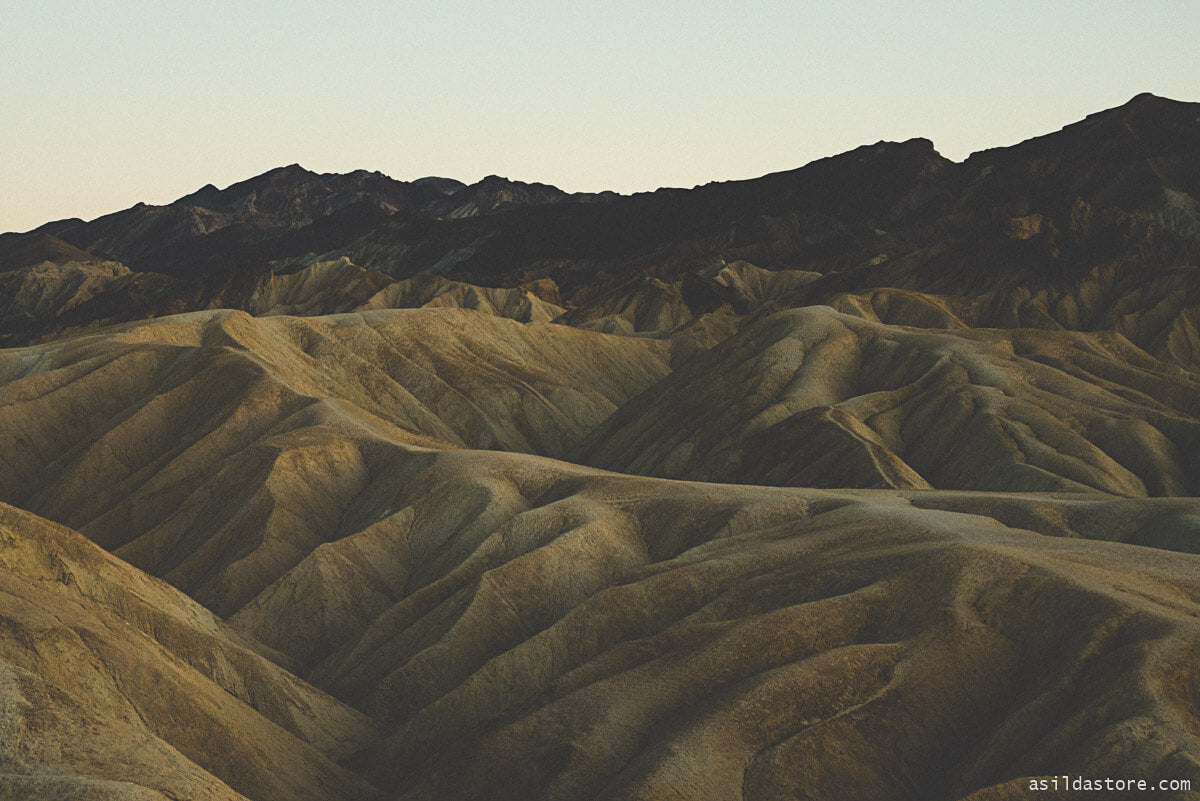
[{"x": 876, "y": 479}]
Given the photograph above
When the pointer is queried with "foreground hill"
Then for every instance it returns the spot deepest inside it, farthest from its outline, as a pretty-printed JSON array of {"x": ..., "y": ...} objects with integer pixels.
[
  {"x": 508, "y": 626},
  {"x": 513, "y": 627},
  {"x": 116, "y": 686}
]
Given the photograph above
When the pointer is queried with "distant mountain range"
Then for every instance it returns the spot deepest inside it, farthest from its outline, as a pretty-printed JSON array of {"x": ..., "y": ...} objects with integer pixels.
[
  {"x": 1109, "y": 202},
  {"x": 213, "y": 229}
]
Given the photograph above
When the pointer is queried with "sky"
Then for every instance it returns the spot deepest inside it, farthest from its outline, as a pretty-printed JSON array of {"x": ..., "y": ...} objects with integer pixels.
[{"x": 106, "y": 104}]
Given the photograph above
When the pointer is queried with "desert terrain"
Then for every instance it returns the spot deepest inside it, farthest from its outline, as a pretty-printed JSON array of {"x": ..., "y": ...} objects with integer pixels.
[{"x": 875, "y": 479}]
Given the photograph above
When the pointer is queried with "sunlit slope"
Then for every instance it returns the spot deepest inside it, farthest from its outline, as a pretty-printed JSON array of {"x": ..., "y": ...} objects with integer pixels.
[
  {"x": 340, "y": 286},
  {"x": 115, "y": 686},
  {"x": 505, "y": 625},
  {"x": 190, "y": 444}
]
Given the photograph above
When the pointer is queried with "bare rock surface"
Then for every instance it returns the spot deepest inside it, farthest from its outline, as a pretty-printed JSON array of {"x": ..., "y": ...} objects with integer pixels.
[
  {"x": 597, "y": 636},
  {"x": 819, "y": 398},
  {"x": 876, "y": 479},
  {"x": 341, "y": 286},
  {"x": 115, "y": 685},
  {"x": 216, "y": 448},
  {"x": 516, "y": 627}
]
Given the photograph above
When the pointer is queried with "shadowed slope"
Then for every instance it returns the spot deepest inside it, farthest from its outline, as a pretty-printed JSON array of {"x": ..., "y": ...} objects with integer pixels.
[
  {"x": 1158, "y": 310},
  {"x": 569, "y": 634},
  {"x": 26, "y": 250},
  {"x": 48, "y": 290},
  {"x": 818, "y": 398},
  {"x": 277, "y": 216}
]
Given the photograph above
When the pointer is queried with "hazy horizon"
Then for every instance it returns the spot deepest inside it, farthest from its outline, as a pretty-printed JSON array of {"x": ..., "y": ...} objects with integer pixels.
[{"x": 117, "y": 104}]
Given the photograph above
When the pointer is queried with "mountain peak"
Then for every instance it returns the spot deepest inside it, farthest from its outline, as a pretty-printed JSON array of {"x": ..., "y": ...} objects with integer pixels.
[
  {"x": 1144, "y": 98},
  {"x": 290, "y": 169},
  {"x": 1147, "y": 104}
]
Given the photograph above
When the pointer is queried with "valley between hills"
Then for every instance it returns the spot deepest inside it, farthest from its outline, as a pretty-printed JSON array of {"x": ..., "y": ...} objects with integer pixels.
[{"x": 874, "y": 479}]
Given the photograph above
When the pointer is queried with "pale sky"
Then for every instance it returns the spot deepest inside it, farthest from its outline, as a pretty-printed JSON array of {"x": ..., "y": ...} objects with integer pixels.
[{"x": 109, "y": 103}]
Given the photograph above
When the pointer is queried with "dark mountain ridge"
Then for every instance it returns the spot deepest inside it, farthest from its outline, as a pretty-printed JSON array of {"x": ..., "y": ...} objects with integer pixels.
[
  {"x": 1109, "y": 203},
  {"x": 210, "y": 229}
]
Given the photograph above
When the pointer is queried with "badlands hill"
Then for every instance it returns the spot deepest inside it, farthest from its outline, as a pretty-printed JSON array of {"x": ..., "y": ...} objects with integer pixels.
[
  {"x": 443, "y": 621},
  {"x": 876, "y": 479}
]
